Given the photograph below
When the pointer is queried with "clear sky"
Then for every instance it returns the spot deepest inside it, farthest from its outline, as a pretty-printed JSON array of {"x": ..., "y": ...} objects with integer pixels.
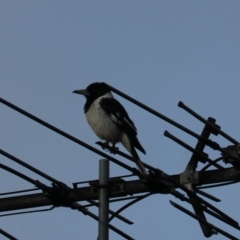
[{"x": 159, "y": 52}]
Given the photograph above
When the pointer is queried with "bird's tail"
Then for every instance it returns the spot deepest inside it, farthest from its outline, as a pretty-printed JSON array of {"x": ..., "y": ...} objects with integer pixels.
[
  {"x": 129, "y": 144},
  {"x": 139, "y": 163}
]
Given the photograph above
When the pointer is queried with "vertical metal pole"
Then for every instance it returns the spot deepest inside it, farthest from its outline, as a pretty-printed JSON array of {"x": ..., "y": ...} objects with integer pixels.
[{"x": 103, "y": 199}]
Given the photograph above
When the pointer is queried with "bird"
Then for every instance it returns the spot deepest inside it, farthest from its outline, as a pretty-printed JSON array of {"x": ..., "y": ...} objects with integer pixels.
[{"x": 110, "y": 121}]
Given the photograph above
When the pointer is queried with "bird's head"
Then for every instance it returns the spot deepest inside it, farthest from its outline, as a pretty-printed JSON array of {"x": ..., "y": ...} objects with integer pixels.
[{"x": 93, "y": 91}]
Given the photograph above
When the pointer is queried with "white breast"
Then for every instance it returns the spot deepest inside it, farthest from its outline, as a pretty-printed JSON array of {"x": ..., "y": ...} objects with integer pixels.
[{"x": 101, "y": 124}]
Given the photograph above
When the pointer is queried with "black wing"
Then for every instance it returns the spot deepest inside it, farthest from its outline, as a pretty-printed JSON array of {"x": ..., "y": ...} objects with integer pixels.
[{"x": 118, "y": 115}]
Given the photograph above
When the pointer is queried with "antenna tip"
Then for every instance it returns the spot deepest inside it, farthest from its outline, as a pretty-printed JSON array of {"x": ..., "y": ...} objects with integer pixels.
[
  {"x": 180, "y": 104},
  {"x": 166, "y": 133}
]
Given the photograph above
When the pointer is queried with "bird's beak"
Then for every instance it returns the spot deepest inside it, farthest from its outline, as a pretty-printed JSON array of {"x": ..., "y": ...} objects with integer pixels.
[{"x": 82, "y": 92}]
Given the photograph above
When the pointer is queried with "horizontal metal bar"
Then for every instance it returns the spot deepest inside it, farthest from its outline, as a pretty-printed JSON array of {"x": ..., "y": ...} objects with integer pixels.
[
  {"x": 127, "y": 188},
  {"x": 74, "y": 195},
  {"x": 218, "y": 176}
]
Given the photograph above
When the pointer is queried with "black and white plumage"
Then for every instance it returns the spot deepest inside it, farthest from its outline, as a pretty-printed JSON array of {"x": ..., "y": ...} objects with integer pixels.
[{"x": 110, "y": 121}]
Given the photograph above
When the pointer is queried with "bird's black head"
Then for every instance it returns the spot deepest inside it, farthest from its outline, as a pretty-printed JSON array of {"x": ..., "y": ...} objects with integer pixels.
[
  {"x": 92, "y": 92},
  {"x": 97, "y": 89}
]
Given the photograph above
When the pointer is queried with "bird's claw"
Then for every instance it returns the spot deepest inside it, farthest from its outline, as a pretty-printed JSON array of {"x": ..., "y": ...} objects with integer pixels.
[
  {"x": 113, "y": 150},
  {"x": 105, "y": 146}
]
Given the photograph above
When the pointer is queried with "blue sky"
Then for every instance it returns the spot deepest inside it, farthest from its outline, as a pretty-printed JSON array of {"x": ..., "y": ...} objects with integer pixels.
[{"x": 159, "y": 52}]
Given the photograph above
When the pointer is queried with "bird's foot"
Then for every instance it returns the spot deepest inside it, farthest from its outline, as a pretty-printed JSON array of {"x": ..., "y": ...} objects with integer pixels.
[
  {"x": 113, "y": 149},
  {"x": 105, "y": 146}
]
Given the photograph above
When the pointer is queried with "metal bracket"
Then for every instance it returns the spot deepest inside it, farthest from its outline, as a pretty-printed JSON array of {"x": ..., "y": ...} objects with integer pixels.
[
  {"x": 189, "y": 178},
  {"x": 114, "y": 185}
]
